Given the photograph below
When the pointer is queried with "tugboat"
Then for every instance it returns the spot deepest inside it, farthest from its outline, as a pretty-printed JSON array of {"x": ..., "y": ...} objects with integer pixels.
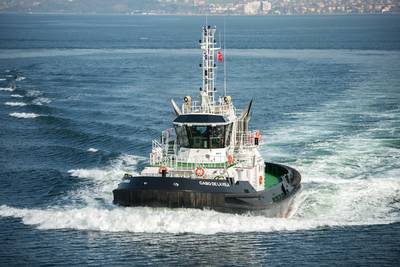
[{"x": 210, "y": 159}]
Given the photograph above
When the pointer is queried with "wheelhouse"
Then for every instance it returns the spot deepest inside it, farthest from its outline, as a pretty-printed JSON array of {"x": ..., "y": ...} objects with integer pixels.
[{"x": 203, "y": 131}]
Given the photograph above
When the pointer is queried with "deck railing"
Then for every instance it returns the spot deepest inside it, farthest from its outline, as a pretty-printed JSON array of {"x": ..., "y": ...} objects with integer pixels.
[
  {"x": 248, "y": 139},
  {"x": 165, "y": 153},
  {"x": 215, "y": 108},
  {"x": 182, "y": 165}
]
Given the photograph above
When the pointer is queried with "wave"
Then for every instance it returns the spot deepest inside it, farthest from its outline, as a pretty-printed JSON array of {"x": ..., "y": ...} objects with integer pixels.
[
  {"x": 21, "y": 78},
  {"x": 40, "y": 101},
  {"x": 56, "y": 52},
  {"x": 16, "y": 96},
  {"x": 15, "y": 104},
  {"x": 342, "y": 149},
  {"x": 157, "y": 220},
  {"x": 3, "y": 79},
  {"x": 33, "y": 93},
  {"x": 342, "y": 210},
  {"x": 94, "y": 150},
  {"x": 23, "y": 115},
  {"x": 103, "y": 180},
  {"x": 362, "y": 202},
  {"x": 7, "y": 89}
]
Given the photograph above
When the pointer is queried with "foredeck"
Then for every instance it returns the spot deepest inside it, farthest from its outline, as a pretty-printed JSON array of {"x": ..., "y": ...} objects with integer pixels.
[
  {"x": 270, "y": 180},
  {"x": 273, "y": 174}
]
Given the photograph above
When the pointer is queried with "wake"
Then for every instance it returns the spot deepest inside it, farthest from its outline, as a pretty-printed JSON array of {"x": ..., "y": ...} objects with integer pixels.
[{"x": 336, "y": 204}]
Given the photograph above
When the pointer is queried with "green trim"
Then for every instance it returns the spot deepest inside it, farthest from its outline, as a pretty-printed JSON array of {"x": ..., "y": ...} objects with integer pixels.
[{"x": 270, "y": 180}]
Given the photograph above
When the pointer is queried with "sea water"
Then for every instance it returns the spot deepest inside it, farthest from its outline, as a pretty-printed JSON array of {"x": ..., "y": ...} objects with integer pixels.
[{"x": 91, "y": 92}]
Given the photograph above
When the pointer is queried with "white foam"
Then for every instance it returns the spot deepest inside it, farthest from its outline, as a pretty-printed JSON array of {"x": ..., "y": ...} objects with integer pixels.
[
  {"x": 94, "y": 150},
  {"x": 17, "y": 96},
  {"x": 21, "y": 78},
  {"x": 348, "y": 176},
  {"x": 23, "y": 115},
  {"x": 362, "y": 202},
  {"x": 15, "y": 104},
  {"x": 3, "y": 79},
  {"x": 33, "y": 93},
  {"x": 40, "y": 101},
  {"x": 150, "y": 220},
  {"x": 103, "y": 180},
  {"x": 7, "y": 89}
]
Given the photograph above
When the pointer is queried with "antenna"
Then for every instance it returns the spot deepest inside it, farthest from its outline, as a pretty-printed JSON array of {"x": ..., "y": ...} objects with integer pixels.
[
  {"x": 224, "y": 59},
  {"x": 206, "y": 14}
]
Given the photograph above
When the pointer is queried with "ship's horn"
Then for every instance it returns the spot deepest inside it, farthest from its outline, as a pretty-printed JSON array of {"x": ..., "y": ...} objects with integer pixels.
[
  {"x": 176, "y": 108},
  {"x": 243, "y": 124},
  {"x": 245, "y": 115}
]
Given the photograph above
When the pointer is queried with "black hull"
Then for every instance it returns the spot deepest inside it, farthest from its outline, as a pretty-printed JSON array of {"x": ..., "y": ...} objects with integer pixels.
[{"x": 220, "y": 195}]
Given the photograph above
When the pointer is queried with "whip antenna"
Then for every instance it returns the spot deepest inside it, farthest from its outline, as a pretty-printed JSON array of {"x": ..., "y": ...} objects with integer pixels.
[{"x": 224, "y": 60}]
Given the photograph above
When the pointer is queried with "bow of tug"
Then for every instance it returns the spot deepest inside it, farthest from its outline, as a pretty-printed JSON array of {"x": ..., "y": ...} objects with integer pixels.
[{"x": 221, "y": 195}]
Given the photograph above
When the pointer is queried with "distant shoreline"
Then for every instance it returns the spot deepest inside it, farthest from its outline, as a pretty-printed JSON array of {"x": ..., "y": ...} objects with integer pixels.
[{"x": 198, "y": 15}]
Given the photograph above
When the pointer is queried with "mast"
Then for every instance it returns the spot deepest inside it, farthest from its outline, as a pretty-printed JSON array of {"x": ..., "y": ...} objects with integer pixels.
[
  {"x": 224, "y": 49},
  {"x": 207, "y": 44}
]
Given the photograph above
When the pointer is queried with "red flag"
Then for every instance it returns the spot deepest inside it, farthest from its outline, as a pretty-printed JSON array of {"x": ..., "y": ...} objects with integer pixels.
[{"x": 220, "y": 57}]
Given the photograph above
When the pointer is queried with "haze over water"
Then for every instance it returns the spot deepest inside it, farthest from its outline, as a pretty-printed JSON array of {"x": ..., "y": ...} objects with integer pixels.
[{"x": 93, "y": 91}]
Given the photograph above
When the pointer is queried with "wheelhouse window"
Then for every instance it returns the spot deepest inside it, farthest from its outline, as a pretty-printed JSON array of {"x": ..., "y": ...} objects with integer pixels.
[
  {"x": 181, "y": 135},
  {"x": 199, "y": 136}
]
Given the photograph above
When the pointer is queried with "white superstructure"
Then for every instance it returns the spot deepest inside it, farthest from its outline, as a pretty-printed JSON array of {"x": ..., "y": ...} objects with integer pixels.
[{"x": 209, "y": 139}]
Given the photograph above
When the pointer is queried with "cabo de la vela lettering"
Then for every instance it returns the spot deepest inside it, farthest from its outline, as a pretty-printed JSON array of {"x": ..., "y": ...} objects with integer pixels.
[
  {"x": 213, "y": 183},
  {"x": 210, "y": 158}
]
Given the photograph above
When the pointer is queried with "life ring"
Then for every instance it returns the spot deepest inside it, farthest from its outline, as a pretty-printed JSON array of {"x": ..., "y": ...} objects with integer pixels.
[
  {"x": 230, "y": 159},
  {"x": 260, "y": 180},
  {"x": 200, "y": 171},
  {"x": 162, "y": 169},
  {"x": 257, "y": 138},
  {"x": 258, "y": 135}
]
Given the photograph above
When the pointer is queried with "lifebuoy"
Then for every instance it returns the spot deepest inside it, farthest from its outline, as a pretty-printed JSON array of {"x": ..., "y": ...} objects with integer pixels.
[
  {"x": 200, "y": 171},
  {"x": 258, "y": 135},
  {"x": 230, "y": 159},
  {"x": 257, "y": 138},
  {"x": 162, "y": 169}
]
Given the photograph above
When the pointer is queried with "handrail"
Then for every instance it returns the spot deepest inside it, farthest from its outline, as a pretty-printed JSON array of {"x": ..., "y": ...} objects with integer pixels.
[
  {"x": 165, "y": 153},
  {"x": 214, "y": 108},
  {"x": 248, "y": 139}
]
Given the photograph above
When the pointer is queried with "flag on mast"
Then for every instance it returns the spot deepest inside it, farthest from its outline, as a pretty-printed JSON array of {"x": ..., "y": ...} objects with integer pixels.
[{"x": 220, "y": 57}]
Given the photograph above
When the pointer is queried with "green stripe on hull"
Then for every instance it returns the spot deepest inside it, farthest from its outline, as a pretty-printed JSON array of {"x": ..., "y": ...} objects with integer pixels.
[{"x": 270, "y": 181}]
